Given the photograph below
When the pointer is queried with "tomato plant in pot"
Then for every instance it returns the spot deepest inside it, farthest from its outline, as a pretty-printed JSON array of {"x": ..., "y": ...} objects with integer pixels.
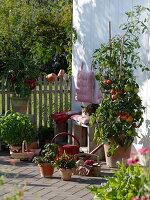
[
  {"x": 46, "y": 161},
  {"x": 15, "y": 128},
  {"x": 120, "y": 112}
]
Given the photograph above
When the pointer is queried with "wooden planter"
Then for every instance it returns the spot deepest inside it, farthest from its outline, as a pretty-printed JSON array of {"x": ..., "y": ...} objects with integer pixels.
[{"x": 46, "y": 170}]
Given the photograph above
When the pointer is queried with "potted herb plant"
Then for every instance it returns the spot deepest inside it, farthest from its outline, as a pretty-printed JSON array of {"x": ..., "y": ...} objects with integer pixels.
[
  {"x": 46, "y": 163},
  {"x": 120, "y": 112},
  {"x": 65, "y": 163},
  {"x": 15, "y": 128}
]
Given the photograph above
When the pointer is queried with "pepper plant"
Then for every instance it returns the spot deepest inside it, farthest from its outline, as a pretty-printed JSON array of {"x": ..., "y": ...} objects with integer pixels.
[{"x": 120, "y": 112}]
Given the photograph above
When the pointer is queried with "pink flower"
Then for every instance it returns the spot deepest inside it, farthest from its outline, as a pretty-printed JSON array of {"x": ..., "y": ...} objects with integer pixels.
[
  {"x": 89, "y": 162},
  {"x": 144, "y": 198},
  {"x": 13, "y": 162},
  {"x": 135, "y": 198},
  {"x": 21, "y": 192},
  {"x": 144, "y": 151},
  {"x": 132, "y": 161}
]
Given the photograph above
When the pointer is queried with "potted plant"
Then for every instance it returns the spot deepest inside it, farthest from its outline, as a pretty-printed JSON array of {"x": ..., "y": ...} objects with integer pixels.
[
  {"x": 120, "y": 112},
  {"x": 46, "y": 163},
  {"x": 65, "y": 163},
  {"x": 17, "y": 64},
  {"x": 15, "y": 128}
]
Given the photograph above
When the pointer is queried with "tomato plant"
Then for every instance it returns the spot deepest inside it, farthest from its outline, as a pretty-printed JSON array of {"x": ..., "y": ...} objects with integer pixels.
[{"x": 120, "y": 112}]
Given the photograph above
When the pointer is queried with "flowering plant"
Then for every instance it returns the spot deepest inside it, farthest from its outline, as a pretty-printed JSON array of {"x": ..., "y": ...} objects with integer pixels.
[
  {"x": 21, "y": 83},
  {"x": 49, "y": 153},
  {"x": 144, "y": 190},
  {"x": 131, "y": 182},
  {"x": 65, "y": 161}
]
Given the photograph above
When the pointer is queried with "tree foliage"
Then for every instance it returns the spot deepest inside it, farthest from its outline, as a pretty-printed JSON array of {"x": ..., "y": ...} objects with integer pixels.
[{"x": 35, "y": 36}]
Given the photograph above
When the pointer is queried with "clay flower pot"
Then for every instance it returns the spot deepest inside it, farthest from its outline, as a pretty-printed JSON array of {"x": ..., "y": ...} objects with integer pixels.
[
  {"x": 46, "y": 169},
  {"x": 61, "y": 73},
  {"x": 121, "y": 155},
  {"x": 51, "y": 77},
  {"x": 65, "y": 174}
]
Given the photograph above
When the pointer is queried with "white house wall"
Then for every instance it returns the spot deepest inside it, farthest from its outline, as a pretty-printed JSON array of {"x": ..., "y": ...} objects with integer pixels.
[{"x": 90, "y": 19}]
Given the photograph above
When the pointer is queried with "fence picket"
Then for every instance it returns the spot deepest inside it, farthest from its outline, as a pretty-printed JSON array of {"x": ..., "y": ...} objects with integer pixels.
[{"x": 46, "y": 99}]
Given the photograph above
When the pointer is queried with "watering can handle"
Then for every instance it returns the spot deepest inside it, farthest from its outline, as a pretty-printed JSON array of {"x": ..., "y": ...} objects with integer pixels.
[{"x": 66, "y": 133}]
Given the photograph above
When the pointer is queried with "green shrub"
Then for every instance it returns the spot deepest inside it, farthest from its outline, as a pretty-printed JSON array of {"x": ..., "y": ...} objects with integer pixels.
[{"x": 15, "y": 127}]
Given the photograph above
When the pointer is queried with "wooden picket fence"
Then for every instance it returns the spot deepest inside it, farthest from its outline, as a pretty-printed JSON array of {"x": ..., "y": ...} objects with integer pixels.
[{"x": 46, "y": 99}]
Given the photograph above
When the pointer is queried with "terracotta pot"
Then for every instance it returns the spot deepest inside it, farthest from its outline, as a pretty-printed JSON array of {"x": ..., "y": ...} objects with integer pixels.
[
  {"x": 46, "y": 169},
  {"x": 61, "y": 73},
  {"x": 121, "y": 155},
  {"x": 65, "y": 174},
  {"x": 19, "y": 104},
  {"x": 51, "y": 77}
]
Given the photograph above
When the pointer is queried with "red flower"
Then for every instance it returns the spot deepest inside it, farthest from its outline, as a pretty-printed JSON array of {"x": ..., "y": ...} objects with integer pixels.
[{"x": 13, "y": 162}]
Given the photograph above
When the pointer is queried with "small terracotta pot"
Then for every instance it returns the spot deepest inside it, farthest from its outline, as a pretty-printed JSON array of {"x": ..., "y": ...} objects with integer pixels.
[
  {"x": 65, "y": 174},
  {"x": 46, "y": 169},
  {"x": 61, "y": 73},
  {"x": 51, "y": 77}
]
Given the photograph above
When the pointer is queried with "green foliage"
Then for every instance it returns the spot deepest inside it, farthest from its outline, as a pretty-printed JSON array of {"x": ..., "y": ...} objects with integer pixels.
[
  {"x": 15, "y": 127},
  {"x": 120, "y": 111},
  {"x": 123, "y": 186},
  {"x": 49, "y": 153},
  {"x": 35, "y": 37}
]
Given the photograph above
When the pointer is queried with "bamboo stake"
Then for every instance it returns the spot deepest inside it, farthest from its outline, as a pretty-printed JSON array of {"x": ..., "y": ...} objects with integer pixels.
[
  {"x": 121, "y": 58},
  {"x": 110, "y": 42}
]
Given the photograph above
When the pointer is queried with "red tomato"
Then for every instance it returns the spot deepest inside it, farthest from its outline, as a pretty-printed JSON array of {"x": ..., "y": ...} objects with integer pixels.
[
  {"x": 127, "y": 114},
  {"x": 119, "y": 92},
  {"x": 105, "y": 82},
  {"x": 112, "y": 91},
  {"x": 114, "y": 97},
  {"x": 129, "y": 119},
  {"x": 119, "y": 113},
  {"x": 109, "y": 82},
  {"x": 122, "y": 117},
  {"x": 134, "y": 125}
]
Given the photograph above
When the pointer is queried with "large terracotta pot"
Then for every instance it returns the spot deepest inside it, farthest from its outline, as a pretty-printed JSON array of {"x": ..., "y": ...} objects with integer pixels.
[
  {"x": 46, "y": 170},
  {"x": 121, "y": 155},
  {"x": 19, "y": 104},
  {"x": 65, "y": 174}
]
